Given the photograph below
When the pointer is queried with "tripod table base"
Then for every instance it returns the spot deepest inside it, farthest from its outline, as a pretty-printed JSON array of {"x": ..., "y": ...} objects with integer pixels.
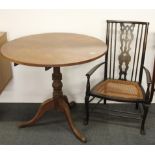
[{"x": 60, "y": 102}]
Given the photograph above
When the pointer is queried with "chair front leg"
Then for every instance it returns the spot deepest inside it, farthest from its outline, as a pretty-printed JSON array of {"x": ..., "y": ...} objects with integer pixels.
[
  {"x": 146, "y": 109},
  {"x": 146, "y": 105},
  {"x": 87, "y": 110},
  {"x": 87, "y": 101}
]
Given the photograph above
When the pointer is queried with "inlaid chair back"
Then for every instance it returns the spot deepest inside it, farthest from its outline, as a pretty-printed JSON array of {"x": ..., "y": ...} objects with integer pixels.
[{"x": 126, "y": 42}]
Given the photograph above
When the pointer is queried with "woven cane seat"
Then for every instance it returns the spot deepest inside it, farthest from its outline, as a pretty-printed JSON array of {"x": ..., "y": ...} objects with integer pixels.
[{"x": 119, "y": 89}]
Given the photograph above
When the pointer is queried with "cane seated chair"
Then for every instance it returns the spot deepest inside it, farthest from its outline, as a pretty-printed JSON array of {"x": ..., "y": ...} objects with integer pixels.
[{"x": 123, "y": 68}]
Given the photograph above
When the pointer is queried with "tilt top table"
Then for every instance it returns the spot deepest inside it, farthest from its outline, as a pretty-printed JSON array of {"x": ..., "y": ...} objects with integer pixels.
[{"x": 54, "y": 50}]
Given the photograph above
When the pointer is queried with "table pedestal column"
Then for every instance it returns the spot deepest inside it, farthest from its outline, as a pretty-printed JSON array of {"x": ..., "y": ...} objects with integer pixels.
[{"x": 60, "y": 102}]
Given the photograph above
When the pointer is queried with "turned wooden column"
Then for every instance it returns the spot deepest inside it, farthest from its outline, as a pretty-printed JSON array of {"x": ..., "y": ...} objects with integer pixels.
[{"x": 57, "y": 84}]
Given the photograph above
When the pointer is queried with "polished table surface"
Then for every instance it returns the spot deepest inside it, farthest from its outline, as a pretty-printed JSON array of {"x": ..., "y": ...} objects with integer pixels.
[{"x": 54, "y": 50}]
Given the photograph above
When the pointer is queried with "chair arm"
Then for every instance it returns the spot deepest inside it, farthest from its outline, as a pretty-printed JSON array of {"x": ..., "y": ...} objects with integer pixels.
[
  {"x": 94, "y": 69},
  {"x": 148, "y": 76}
]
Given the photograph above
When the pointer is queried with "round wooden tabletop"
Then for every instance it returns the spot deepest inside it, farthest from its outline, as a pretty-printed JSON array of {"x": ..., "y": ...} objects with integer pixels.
[{"x": 54, "y": 49}]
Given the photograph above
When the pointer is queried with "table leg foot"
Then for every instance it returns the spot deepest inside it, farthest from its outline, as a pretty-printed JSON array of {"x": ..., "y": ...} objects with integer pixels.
[
  {"x": 65, "y": 108},
  {"x": 70, "y": 104},
  {"x": 46, "y": 106}
]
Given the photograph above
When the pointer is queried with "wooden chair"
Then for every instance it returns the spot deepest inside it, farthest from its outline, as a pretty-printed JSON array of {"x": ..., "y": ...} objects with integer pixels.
[{"x": 123, "y": 68}]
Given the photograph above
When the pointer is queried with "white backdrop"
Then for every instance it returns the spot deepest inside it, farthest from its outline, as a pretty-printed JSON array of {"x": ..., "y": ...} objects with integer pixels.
[{"x": 31, "y": 84}]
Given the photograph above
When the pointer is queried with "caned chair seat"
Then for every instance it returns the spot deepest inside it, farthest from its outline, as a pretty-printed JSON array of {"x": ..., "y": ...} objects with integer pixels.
[{"x": 119, "y": 89}]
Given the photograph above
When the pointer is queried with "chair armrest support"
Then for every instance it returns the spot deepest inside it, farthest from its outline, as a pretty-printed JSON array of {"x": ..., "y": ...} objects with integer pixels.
[
  {"x": 94, "y": 69},
  {"x": 148, "y": 76},
  {"x": 88, "y": 77},
  {"x": 149, "y": 82}
]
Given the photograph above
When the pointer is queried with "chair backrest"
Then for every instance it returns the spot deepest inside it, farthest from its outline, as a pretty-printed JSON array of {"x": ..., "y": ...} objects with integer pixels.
[{"x": 126, "y": 42}]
